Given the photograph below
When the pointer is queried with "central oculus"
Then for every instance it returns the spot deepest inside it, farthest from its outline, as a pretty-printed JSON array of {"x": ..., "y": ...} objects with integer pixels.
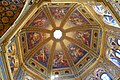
[{"x": 57, "y": 34}]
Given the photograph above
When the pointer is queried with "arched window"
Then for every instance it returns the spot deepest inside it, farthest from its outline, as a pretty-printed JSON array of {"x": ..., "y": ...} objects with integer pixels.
[{"x": 105, "y": 77}]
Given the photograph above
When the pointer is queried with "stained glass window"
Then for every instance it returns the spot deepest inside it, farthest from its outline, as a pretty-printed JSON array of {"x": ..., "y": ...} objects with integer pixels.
[
  {"x": 99, "y": 9},
  {"x": 113, "y": 50},
  {"x": 105, "y": 77},
  {"x": 99, "y": 74},
  {"x": 106, "y": 15}
]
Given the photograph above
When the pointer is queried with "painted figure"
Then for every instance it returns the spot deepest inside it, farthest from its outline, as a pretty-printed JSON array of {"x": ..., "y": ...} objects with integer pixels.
[
  {"x": 34, "y": 38},
  {"x": 59, "y": 13},
  {"x": 42, "y": 56},
  {"x": 83, "y": 36},
  {"x": 76, "y": 18},
  {"x": 59, "y": 60},
  {"x": 76, "y": 52},
  {"x": 40, "y": 21}
]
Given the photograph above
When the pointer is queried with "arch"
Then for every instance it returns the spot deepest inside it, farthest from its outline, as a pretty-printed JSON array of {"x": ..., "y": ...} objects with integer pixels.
[{"x": 105, "y": 76}]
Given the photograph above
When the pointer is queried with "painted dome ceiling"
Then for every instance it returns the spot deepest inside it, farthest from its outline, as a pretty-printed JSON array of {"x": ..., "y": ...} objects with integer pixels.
[{"x": 69, "y": 56}]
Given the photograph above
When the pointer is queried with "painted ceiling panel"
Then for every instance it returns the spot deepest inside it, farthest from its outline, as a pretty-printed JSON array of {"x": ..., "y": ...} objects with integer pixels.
[
  {"x": 43, "y": 54},
  {"x": 58, "y": 13},
  {"x": 75, "y": 51},
  {"x": 60, "y": 40},
  {"x": 59, "y": 60},
  {"x": 83, "y": 36},
  {"x": 75, "y": 19},
  {"x": 33, "y": 38},
  {"x": 48, "y": 55},
  {"x": 41, "y": 21}
]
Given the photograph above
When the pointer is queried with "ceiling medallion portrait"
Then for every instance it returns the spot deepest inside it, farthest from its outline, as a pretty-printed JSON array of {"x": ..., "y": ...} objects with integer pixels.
[{"x": 60, "y": 41}]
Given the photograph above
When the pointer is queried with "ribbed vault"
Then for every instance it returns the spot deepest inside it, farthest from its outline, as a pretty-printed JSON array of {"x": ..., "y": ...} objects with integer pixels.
[{"x": 69, "y": 56}]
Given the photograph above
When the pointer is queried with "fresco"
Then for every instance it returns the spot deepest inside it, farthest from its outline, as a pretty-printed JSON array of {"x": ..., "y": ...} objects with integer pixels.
[
  {"x": 77, "y": 19},
  {"x": 59, "y": 60},
  {"x": 34, "y": 38},
  {"x": 113, "y": 50},
  {"x": 81, "y": 36},
  {"x": 76, "y": 52},
  {"x": 2, "y": 69},
  {"x": 40, "y": 21},
  {"x": 59, "y": 12},
  {"x": 13, "y": 57},
  {"x": 42, "y": 56}
]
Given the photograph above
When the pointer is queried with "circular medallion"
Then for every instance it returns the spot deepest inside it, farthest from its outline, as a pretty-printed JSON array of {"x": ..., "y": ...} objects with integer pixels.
[
  {"x": 2, "y": 8},
  {"x": 9, "y": 13},
  {"x": 5, "y": 20},
  {"x": 13, "y": 7},
  {"x": 5, "y": 3}
]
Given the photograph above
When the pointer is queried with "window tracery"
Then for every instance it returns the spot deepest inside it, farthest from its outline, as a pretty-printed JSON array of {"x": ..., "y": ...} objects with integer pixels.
[{"x": 113, "y": 51}]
